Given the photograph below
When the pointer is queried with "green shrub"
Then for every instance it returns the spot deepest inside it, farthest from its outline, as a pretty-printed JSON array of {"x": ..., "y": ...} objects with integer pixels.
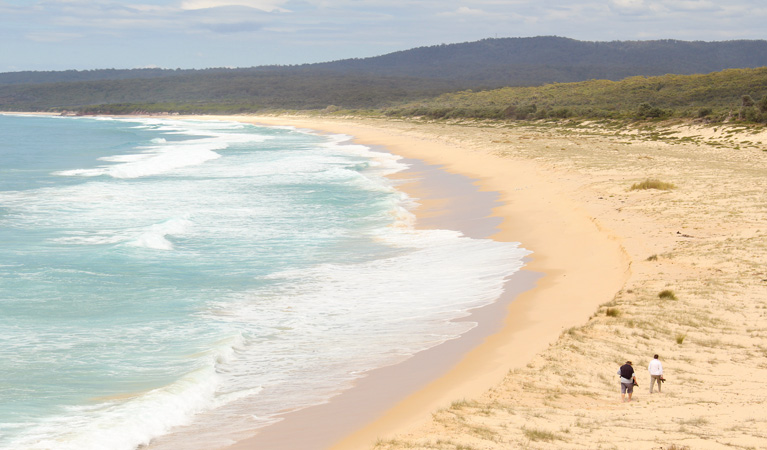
[
  {"x": 647, "y": 111},
  {"x": 704, "y": 112},
  {"x": 762, "y": 105},
  {"x": 667, "y": 293}
]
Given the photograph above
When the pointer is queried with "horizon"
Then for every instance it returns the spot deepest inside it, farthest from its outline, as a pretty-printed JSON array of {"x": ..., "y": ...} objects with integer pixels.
[{"x": 58, "y": 35}]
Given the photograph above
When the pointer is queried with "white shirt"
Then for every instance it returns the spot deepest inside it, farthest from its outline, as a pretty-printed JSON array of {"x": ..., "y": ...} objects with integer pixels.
[{"x": 655, "y": 367}]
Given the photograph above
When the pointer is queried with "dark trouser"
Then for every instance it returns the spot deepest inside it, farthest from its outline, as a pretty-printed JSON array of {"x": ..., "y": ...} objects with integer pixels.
[{"x": 655, "y": 379}]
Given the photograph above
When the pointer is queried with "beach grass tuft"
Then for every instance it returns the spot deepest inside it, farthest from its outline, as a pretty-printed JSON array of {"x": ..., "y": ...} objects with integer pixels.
[
  {"x": 483, "y": 432},
  {"x": 613, "y": 312},
  {"x": 667, "y": 294},
  {"x": 652, "y": 257},
  {"x": 697, "y": 421},
  {"x": 535, "y": 434},
  {"x": 463, "y": 403},
  {"x": 680, "y": 338},
  {"x": 391, "y": 443},
  {"x": 652, "y": 183}
]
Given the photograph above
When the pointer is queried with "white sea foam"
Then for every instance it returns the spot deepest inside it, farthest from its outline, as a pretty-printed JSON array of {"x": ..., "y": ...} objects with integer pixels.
[
  {"x": 156, "y": 237},
  {"x": 338, "y": 321},
  {"x": 124, "y": 425},
  {"x": 123, "y": 158},
  {"x": 155, "y": 161},
  {"x": 164, "y": 157}
]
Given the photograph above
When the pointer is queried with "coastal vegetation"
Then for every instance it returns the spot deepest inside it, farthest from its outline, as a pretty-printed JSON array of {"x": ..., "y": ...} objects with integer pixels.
[
  {"x": 219, "y": 93},
  {"x": 713, "y": 97},
  {"x": 508, "y": 79},
  {"x": 734, "y": 95}
]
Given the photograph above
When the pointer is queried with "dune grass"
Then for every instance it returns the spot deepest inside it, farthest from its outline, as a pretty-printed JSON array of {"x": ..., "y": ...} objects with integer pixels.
[
  {"x": 667, "y": 294},
  {"x": 535, "y": 434},
  {"x": 652, "y": 183}
]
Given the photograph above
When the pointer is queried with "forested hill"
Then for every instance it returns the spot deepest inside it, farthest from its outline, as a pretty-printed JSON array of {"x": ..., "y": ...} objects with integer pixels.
[
  {"x": 378, "y": 81},
  {"x": 491, "y": 62},
  {"x": 541, "y": 60},
  {"x": 64, "y": 76}
]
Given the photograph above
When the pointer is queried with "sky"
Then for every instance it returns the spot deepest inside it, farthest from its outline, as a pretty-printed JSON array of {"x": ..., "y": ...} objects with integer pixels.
[{"x": 102, "y": 34}]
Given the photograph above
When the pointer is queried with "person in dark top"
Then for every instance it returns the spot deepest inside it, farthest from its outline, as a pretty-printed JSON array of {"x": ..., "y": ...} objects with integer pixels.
[{"x": 628, "y": 380}]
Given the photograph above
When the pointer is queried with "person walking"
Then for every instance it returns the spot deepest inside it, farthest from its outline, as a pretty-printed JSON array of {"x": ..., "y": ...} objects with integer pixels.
[
  {"x": 628, "y": 380},
  {"x": 656, "y": 372}
]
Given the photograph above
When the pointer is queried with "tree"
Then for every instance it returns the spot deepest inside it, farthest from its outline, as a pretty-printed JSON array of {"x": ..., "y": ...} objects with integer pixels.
[
  {"x": 647, "y": 111},
  {"x": 762, "y": 105}
]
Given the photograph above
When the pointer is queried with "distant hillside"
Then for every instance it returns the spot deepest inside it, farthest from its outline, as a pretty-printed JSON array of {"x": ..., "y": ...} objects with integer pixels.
[
  {"x": 382, "y": 81},
  {"x": 541, "y": 60},
  {"x": 38, "y": 77},
  {"x": 218, "y": 92},
  {"x": 739, "y": 94}
]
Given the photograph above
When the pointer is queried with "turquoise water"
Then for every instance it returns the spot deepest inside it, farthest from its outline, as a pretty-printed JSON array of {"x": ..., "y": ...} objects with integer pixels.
[{"x": 195, "y": 278}]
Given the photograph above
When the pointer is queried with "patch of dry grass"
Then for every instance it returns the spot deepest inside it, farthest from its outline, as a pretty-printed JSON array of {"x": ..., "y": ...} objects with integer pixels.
[
  {"x": 652, "y": 183},
  {"x": 667, "y": 294}
]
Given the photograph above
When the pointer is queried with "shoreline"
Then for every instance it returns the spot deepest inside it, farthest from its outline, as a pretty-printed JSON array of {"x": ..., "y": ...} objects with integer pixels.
[
  {"x": 582, "y": 266},
  {"x": 445, "y": 201}
]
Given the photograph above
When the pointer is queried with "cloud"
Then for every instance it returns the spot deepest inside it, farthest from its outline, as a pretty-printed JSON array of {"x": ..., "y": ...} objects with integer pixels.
[
  {"x": 629, "y": 6},
  {"x": 655, "y": 7},
  {"x": 263, "y": 5},
  {"x": 60, "y": 20},
  {"x": 692, "y": 5},
  {"x": 230, "y": 28},
  {"x": 52, "y": 36},
  {"x": 464, "y": 11},
  {"x": 88, "y": 33}
]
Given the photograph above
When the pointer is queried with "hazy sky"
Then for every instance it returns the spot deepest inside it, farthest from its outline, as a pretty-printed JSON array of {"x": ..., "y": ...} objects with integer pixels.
[{"x": 89, "y": 34}]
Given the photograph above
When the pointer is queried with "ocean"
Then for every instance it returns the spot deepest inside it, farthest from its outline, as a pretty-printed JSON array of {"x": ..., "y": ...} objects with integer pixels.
[{"x": 195, "y": 278}]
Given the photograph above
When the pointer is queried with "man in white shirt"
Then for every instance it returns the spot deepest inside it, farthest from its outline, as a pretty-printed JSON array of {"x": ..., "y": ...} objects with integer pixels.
[{"x": 656, "y": 372}]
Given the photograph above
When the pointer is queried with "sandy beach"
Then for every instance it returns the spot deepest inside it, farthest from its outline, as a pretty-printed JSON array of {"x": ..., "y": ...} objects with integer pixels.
[
  {"x": 548, "y": 378},
  {"x": 582, "y": 265}
]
